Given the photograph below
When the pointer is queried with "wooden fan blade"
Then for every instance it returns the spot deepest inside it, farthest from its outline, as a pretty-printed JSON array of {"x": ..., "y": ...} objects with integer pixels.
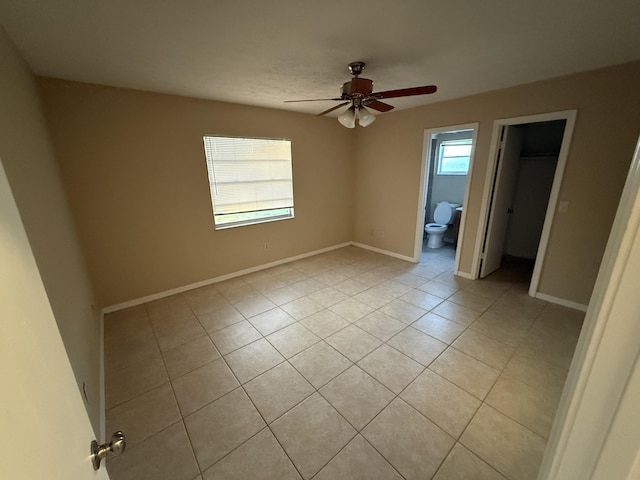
[
  {"x": 379, "y": 106},
  {"x": 313, "y": 100},
  {"x": 405, "y": 92},
  {"x": 333, "y": 108}
]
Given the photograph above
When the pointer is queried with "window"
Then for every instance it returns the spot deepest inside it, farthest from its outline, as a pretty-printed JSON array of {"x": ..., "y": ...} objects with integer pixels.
[
  {"x": 250, "y": 180},
  {"x": 453, "y": 157}
]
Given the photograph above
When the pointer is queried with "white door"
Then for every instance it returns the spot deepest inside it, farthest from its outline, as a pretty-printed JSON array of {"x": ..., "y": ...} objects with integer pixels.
[
  {"x": 503, "y": 189},
  {"x": 46, "y": 432}
]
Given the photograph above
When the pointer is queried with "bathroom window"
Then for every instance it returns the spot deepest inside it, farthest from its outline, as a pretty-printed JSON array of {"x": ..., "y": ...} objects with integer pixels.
[
  {"x": 250, "y": 180},
  {"x": 453, "y": 157}
]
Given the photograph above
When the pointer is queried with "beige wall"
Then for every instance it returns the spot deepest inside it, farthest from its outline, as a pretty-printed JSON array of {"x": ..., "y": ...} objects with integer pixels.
[
  {"x": 135, "y": 172},
  {"x": 29, "y": 161},
  {"x": 388, "y": 160}
]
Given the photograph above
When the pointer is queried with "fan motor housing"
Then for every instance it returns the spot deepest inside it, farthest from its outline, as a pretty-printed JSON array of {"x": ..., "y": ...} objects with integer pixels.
[{"x": 357, "y": 86}]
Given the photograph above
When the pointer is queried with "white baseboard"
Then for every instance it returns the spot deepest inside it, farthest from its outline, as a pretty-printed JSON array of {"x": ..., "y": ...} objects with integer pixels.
[
  {"x": 222, "y": 278},
  {"x": 464, "y": 275},
  {"x": 384, "y": 252},
  {"x": 561, "y": 301}
]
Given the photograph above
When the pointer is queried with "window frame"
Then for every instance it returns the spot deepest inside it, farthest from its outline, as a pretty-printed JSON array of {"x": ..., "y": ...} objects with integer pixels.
[
  {"x": 441, "y": 149},
  {"x": 248, "y": 216}
]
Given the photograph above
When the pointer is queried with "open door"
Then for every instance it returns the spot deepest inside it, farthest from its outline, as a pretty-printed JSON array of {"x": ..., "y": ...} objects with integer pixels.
[
  {"x": 504, "y": 184},
  {"x": 46, "y": 431}
]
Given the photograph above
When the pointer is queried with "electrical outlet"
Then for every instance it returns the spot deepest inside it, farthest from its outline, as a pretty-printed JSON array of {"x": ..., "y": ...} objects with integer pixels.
[{"x": 266, "y": 246}]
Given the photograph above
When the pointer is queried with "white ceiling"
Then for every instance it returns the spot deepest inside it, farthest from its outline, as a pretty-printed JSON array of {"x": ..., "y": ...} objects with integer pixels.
[{"x": 262, "y": 52}]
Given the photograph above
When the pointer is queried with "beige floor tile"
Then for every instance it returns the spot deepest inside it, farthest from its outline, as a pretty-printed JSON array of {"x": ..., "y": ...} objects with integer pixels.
[
  {"x": 203, "y": 385},
  {"x": 410, "y": 279},
  {"x": 325, "y": 323},
  {"x": 227, "y": 286},
  {"x": 278, "y": 390},
  {"x": 445, "y": 404},
  {"x": 351, "y": 309},
  {"x": 391, "y": 287},
  {"x": 189, "y": 356},
  {"x": 357, "y": 396},
  {"x": 320, "y": 363},
  {"x": 126, "y": 323},
  {"x": 291, "y": 276},
  {"x": 271, "y": 321},
  {"x": 267, "y": 284},
  {"x": 404, "y": 311},
  {"x": 328, "y": 296},
  {"x": 358, "y": 461},
  {"x": 302, "y": 308},
  {"x": 470, "y": 374},
  {"x": 220, "y": 318},
  {"x": 260, "y": 458},
  {"x": 293, "y": 339},
  {"x": 282, "y": 295},
  {"x": 536, "y": 371},
  {"x": 422, "y": 299},
  {"x": 221, "y": 426},
  {"x": 166, "y": 455},
  {"x": 297, "y": 431},
  {"x": 125, "y": 352},
  {"x": 439, "y": 327},
  {"x": 438, "y": 289},
  {"x": 234, "y": 336},
  {"x": 390, "y": 367},
  {"x": 205, "y": 299},
  {"x": 461, "y": 464},
  {"x": 370, "y": 279},
  {"x": 510, "y": 448},
  {"x": 380, "y": 325},
  {"x": 134, "y": 380},
  {"x": 250, "y": 361},
  {"x": 375, "y": 299},
  {"x": 254, "y": 306},
  {"x": 241, "y": 293},
  {"x": 527, "y": 405},
  {"x": 350, "y": 286},
  {"x": 308, "y": 286},
  {"x": 417, "y": 345},
  {"x": 411, "y": 443},
  {"x": 330, "y": 277},
  {"x": 471, "y": 300},
  {"x": 179, "y": 333},
  {"x": 456, "y": 313},
  {"x": 485, "y": 349},
  {"x": 353, "y": 342},
  {"x": 145, "y": 415},
  {"x": 167, "y": 311},
  {"x": 505, "y": 329},
  {"x": 487, "y": 288}
]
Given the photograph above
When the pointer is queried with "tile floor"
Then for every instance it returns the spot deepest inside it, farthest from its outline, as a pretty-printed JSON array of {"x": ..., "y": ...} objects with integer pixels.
[{"x": 345, "y": 365}]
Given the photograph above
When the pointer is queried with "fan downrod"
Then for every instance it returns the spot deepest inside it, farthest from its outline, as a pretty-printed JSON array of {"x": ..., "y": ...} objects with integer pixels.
[{"x": 356, "y": 68}]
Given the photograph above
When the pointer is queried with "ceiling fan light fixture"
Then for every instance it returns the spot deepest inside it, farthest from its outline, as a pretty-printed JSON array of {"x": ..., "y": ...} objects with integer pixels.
[
  {"x": 365, "y": 117},
  {"x": 348, "y": 118}
]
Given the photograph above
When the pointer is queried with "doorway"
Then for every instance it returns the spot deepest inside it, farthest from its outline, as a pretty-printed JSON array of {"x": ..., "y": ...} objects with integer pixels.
[
  {"x": 437, "y": 184},
  {"x": 527, "y": 161}
]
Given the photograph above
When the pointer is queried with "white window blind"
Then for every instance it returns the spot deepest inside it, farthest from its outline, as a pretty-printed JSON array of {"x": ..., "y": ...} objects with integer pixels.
[{"x": 250, "y": 178}]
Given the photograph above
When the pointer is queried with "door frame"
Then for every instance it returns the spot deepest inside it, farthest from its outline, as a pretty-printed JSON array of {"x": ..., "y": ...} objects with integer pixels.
[
  {"x": 424, "y": 179},
  {"x": 570, "y": 118}
]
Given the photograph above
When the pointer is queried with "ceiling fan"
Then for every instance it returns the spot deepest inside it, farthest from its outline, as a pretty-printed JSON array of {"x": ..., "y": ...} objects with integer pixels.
[{"x": 359, "y": 93}]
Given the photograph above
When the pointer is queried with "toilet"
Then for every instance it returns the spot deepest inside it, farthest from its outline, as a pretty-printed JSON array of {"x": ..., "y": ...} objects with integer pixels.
[{"x": 443, "y": 215}]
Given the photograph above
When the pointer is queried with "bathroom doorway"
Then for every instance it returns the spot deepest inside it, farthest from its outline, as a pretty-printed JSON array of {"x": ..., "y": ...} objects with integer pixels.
[
  {"x": 445, "y": 178},
  {"x": 527, "y": 161}
]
